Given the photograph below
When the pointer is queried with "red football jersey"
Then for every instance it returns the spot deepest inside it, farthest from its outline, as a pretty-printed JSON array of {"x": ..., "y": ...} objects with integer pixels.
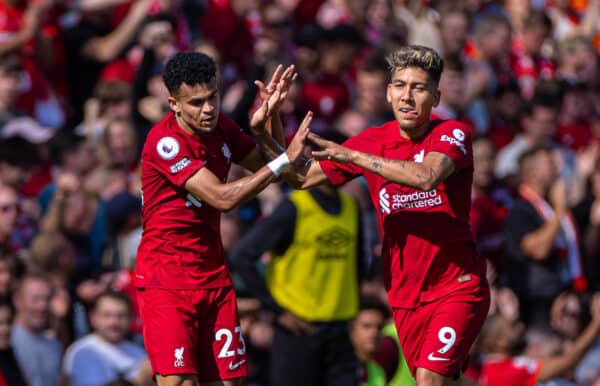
[
  {"x": 181, "y": 243},
  {"x": 428, "y": 248},
  {"x": 519, "y": 371}
]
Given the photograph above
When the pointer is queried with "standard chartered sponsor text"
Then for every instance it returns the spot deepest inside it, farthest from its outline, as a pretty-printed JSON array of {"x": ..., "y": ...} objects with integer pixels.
[{"x": 416, "y": 200}]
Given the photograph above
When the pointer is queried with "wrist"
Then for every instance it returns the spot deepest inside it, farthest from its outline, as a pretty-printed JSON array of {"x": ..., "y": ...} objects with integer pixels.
[{"x": 278, "y": 164}]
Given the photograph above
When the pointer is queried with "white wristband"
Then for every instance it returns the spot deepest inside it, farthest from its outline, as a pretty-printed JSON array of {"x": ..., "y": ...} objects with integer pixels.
[{"x": 279, "y": 163}]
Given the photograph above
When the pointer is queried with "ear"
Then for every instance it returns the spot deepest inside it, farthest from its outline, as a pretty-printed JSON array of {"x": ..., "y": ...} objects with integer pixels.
[
  {"x": 388, "y": 93},
  {"x": 173, "y": 104},
  {"x": 436, "y": 97}
]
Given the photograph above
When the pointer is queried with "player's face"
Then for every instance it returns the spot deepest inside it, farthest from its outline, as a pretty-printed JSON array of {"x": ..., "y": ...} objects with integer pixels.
[
  {"x": 111, "y": 320},
  {"x": 412, "y": 95},
  {"x": 197, "y": 107}
]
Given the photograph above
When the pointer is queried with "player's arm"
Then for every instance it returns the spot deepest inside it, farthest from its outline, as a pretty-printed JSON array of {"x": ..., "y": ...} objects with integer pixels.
[
  {"x": 268, "y": 133},
  {"x": 426, "y": 175},
  {"x": 225, "y": 196},
  {"x": 557, "y": 366}
]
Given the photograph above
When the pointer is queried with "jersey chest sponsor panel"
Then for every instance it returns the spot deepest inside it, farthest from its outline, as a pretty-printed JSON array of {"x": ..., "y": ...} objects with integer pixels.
[
  {"x": 420, "y": 228},
  {"x": 181, "y": 244}
]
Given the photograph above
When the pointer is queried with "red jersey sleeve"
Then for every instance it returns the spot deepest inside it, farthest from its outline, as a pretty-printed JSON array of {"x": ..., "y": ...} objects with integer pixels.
[
  {"x": 453, "y": 139},
  {"x": 172, "y": 158},
  {"x": 340, "y": 173},
  {"x": 240, "y": 143}
]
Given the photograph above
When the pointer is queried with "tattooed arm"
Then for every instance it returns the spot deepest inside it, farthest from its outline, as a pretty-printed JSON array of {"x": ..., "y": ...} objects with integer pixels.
[{"x": 435, "y": 168}]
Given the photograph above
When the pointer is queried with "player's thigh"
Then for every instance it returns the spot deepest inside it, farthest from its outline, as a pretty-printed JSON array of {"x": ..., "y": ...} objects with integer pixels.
[
  {"x": 170, "y": 331},
  {"x": 221, "y": 347},
  {"x": 296, "y": 360},
  {"x": 452, "y": 329}
]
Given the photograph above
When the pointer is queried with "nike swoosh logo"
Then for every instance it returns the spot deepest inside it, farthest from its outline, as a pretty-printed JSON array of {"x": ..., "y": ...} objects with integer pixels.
[
  {"x": 233, "y": 366},
  {"x": 433, "y": 358}
]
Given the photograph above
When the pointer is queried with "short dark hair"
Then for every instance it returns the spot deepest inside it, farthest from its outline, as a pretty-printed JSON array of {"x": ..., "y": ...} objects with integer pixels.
[
  {"x": 115, "y": 295},
  {"x": 537, "y": 19},
  {"x": 372, "y": 303},
  {"x": 191, "y": 68},
  {"x": 18, "y": 151},
  {"x": 532, "y": 152},
  {"x": 453, "y": 62},
  {"x": 65, "y": 141},
  {"x": 425, "y": 58}
]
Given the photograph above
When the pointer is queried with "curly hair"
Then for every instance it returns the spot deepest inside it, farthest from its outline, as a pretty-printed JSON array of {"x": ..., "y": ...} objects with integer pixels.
[
  {"x": 191, "y": 68},
  {"x": 421, "y": 57}
]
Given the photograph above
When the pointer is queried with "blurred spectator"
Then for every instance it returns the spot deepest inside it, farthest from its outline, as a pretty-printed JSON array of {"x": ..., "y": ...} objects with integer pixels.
[
  {"x": 539, "y": 128},
  {"x": 307, "y": 40},
  {"x": 227, "y": 24},
  {"x": 528, "y": 61},
  {"x": 9, "y": 212},
  {"x": 351, "y": 123},
  {"x": 81, "y": 217},
  {"x": 8, "y": 270},
  {"x": 453, "y": 100},
  {"x": 489, "y": 206},
  {"x": 327, "y": 95},
  {"x": 10, "y": 372},
  {"x": 123, "y": 211},
  {"x": 578, "y": 60},
  {"x": 587, "y": 214},
  {"x": 105, "y": 355},
  {"x": 371, "y": 83},
  {"x": 505, "y": 107},
  {"x": 91, "y": 43},
  {"x": 54, "y": 256},
  {"x": 39, "y": 356},
  {"x": 503, "y": 341},
  {"x": 111, "y": 100},
  {"x": 389, "y": 356},
  {"x": 315, "y": 239},
  {"x": 118, "y": 172},
  {"x": 454, "y": 31},
  {"x": 542, "y": 239},
  {"x": 365, "y": 334},
  {"x": 490, "y": 67},
  {"x": 575, "y": 118}
]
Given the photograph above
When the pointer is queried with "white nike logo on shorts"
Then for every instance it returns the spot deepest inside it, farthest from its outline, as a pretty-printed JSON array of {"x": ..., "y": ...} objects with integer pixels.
[
  {"x": 433, "y": 358},
  {"x": 233, "y": 366}
]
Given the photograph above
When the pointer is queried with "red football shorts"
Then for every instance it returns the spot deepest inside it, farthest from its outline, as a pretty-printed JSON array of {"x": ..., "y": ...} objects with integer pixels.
[
  {"x": 193, "y": 332},
  {"x": 437, "y": 336}
]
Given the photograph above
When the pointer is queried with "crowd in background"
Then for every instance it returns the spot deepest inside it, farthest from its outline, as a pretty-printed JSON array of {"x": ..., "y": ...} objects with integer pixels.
[{"x": 80, "y": 87}]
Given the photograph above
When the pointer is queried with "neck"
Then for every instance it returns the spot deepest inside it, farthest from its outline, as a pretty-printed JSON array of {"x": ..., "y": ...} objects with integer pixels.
[
  {"x": 415, "y": 133},
  {"x": 183, "y": 125},
  {"x": 362, "y": 356},
  {"x": 21, "y": 323}
]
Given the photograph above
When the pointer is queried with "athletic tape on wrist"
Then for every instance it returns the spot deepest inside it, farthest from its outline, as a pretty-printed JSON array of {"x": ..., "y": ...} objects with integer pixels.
[{"x": 279, "y": 163}]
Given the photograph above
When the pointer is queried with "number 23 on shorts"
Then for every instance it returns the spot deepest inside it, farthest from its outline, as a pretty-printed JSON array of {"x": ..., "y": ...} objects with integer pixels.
[{"x": 228, "y": 348}]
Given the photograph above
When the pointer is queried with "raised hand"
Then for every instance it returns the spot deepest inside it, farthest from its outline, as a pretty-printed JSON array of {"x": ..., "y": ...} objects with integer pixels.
[
  {"x": 281, "y": 81},
  {"x": 260, "y": 116},
  {"x": 330, "y": 150},
  {"x": 295, "y": 149}
]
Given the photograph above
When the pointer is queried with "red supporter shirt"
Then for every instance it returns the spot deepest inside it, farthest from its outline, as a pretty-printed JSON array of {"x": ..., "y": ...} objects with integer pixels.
[
  {"x": 181, "y": 243},
  {"x": 428, "y": 250},
  {"x": 519, "y": 371}
]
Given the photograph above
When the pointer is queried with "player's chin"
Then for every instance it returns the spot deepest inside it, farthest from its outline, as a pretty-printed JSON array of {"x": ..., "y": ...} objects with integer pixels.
[{"x": 206, "y": 126}]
